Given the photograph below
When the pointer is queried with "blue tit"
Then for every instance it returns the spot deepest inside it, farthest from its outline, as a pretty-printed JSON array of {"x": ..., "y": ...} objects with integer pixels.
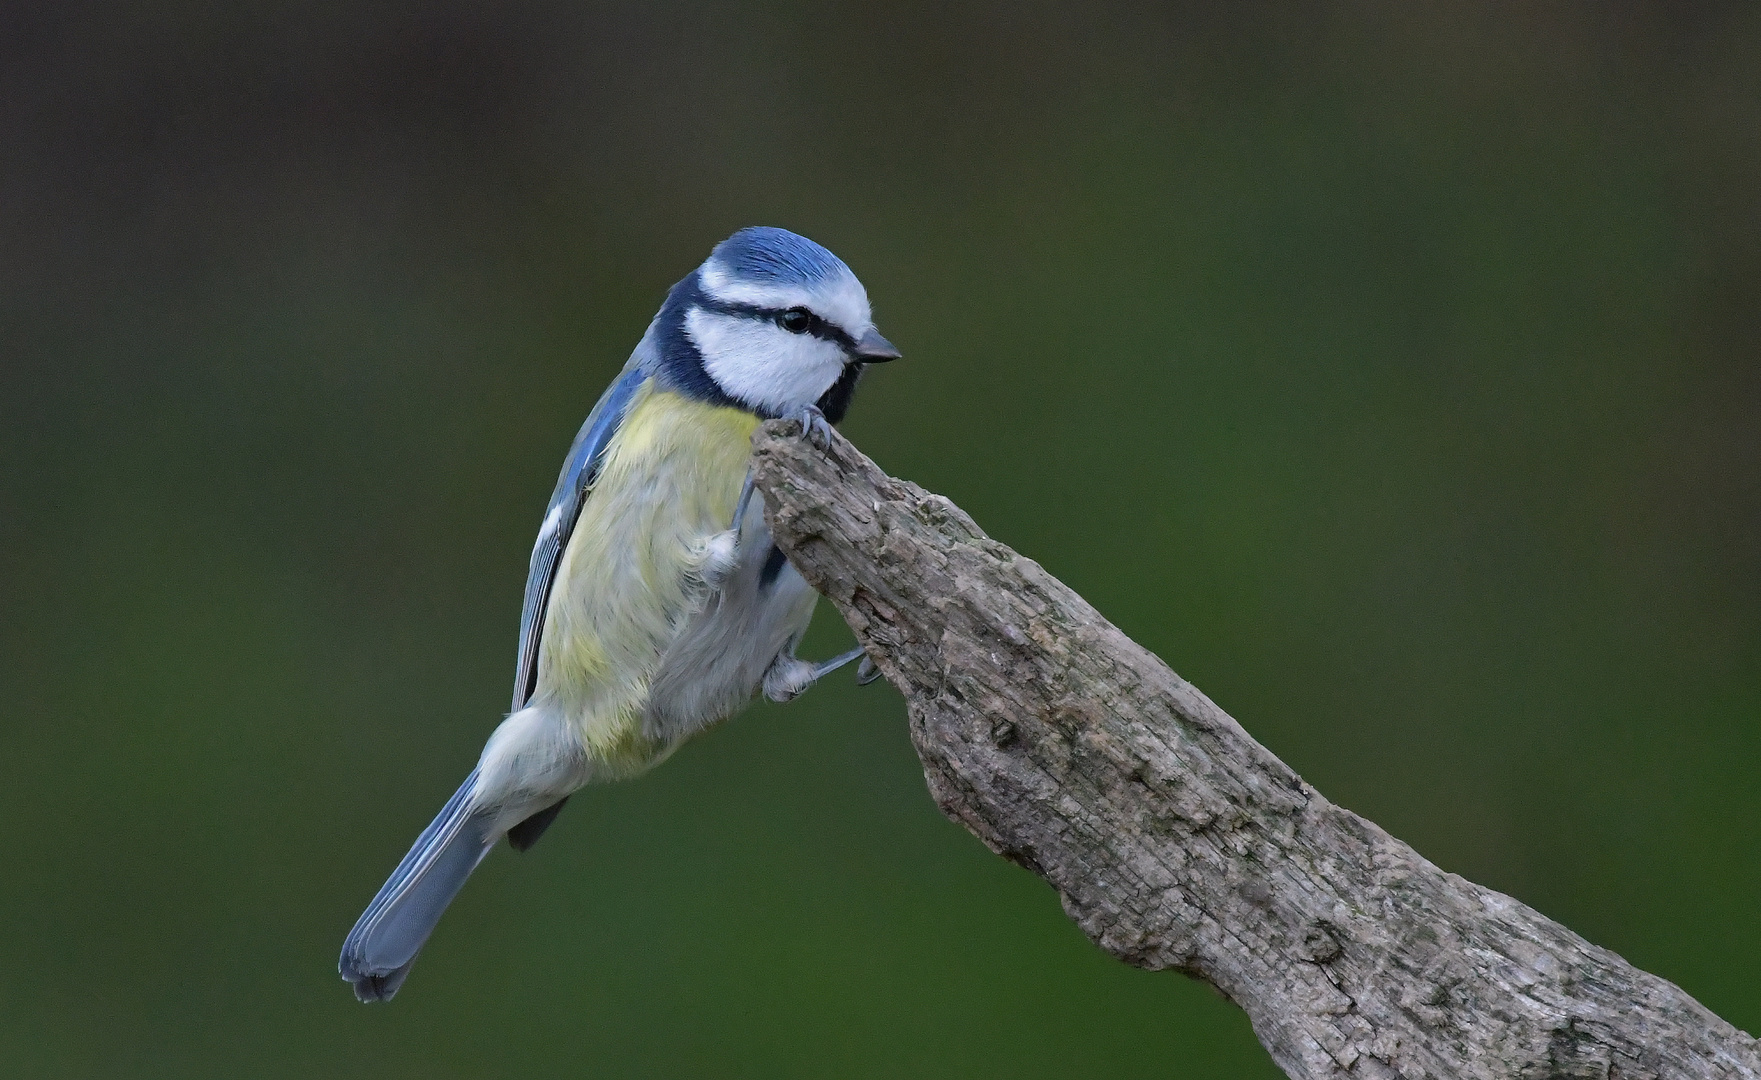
[{"x": 656, "y": 602}]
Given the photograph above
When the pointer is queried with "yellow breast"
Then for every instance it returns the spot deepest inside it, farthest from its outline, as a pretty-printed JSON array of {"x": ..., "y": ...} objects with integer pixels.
[{"x": 670, "y": 478}]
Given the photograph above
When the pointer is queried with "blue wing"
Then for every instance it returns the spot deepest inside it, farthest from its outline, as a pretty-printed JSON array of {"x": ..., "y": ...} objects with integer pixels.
[{"x": 580, "y": 469}]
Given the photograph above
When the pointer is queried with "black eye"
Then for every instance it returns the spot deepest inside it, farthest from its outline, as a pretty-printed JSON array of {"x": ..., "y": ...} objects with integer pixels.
[{"x": 796, "y": 320}]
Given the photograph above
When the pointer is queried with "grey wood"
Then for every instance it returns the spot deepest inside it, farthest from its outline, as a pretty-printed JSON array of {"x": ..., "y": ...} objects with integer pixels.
[{"x": 1177, "y": 841}]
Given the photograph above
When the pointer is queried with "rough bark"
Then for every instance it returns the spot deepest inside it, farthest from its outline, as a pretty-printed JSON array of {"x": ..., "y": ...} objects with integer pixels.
[{"x": 1177, "y": 841}]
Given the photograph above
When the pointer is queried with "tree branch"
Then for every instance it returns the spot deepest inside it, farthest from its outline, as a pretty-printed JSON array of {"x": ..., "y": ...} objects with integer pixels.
[{"x": 1177, "y": 841}]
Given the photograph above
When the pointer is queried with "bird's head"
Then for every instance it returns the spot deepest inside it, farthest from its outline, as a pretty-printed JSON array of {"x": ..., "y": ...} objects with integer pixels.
[{"x": 774, "y": 322}]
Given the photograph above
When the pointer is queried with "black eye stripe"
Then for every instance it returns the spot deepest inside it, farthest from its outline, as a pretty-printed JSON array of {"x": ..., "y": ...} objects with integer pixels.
[{"x": 819, "y": 328}]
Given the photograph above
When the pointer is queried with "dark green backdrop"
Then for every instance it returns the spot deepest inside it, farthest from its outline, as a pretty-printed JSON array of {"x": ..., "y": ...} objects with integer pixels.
[{"x": 1390, "y": 369}]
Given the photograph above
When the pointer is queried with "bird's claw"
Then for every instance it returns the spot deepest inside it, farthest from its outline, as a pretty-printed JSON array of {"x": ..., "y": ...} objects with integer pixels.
[
  {"x": 815, "y": 428},
  {"x": 866, "y": 672}
]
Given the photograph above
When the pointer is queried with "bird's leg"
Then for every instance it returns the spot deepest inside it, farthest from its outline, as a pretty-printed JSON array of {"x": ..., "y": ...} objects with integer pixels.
[
  {"x": 746, "y": 491},
  {"x": 821, "y": 670},
  {"x": 844, "y": 658},
  {"x": 790, "y": 676}
]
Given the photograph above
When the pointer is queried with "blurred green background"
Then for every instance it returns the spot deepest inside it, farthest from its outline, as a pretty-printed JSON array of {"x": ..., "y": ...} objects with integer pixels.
[{"x": 1393, "y": 370}]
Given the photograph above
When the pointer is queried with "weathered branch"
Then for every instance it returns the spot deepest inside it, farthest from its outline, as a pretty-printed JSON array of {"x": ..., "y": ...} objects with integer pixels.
[{"x": 1177, "y": 841}]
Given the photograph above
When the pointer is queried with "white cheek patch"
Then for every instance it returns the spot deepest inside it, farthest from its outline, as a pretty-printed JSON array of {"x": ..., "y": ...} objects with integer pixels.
[
  {"x": 841, "y": 300},
  {"x": 760, "y": 363}
]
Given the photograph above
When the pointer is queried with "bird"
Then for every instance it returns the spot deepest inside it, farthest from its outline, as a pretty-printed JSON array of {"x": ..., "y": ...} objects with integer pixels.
[{"x": 657, "y": 603}]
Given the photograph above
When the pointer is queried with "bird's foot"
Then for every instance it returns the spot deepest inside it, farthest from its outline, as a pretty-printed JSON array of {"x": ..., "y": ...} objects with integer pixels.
[
  {"x": 790, "y": 676},
  {"x": 815, "y": 428}
]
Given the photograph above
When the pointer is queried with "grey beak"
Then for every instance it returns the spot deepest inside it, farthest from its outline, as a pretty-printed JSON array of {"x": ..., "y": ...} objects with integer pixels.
[{"x": 871, "y": 348}]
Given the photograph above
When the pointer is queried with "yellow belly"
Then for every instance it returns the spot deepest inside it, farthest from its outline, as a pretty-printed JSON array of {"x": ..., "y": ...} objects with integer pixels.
[{"x": 626, "y": 584}]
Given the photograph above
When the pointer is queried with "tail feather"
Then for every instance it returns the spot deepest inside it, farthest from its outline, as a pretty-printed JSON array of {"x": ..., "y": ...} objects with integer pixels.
[{"x": 382, "y": 947}]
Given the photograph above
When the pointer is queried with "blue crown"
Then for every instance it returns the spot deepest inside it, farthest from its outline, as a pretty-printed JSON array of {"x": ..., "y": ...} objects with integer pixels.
[{"x": 775, "y": 255}]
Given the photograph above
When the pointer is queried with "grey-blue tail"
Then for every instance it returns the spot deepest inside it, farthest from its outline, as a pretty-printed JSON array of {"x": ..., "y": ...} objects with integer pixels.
[{"x": 382, "y": 947}]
